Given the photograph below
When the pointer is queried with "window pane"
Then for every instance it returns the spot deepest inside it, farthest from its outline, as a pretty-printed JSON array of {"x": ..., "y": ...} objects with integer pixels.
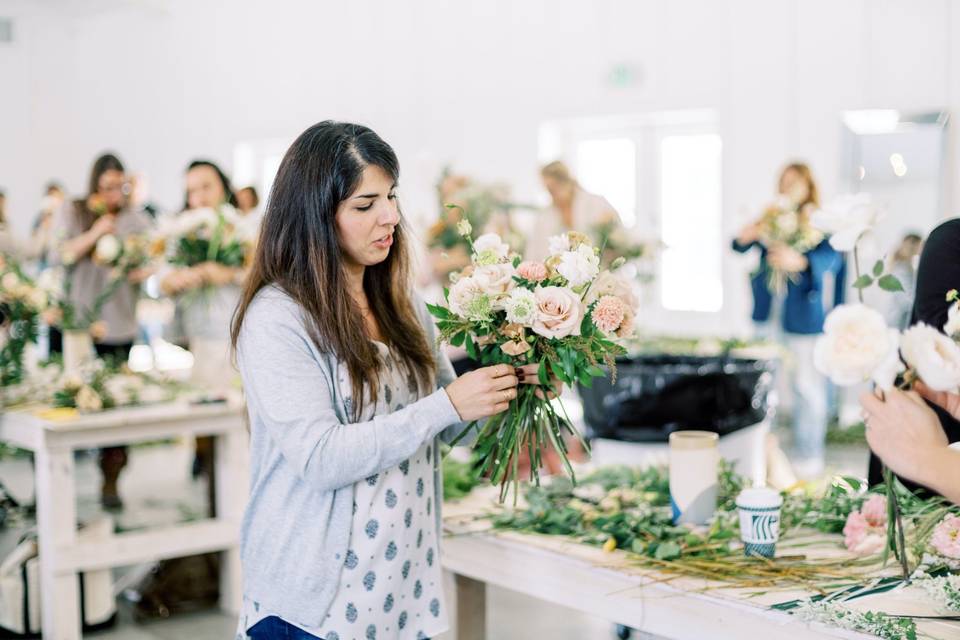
[
  {"x": 690, "y": 210},
  {"x": 609, "y": 167}
]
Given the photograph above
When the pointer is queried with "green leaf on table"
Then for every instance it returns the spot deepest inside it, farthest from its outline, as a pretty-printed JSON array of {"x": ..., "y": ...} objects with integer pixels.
[
  {"x": 862, "y": 282},
  {"x": 667, "y": 551},
  {"x": 878, "y": 268},
  {"x": 890, "y": 283}
]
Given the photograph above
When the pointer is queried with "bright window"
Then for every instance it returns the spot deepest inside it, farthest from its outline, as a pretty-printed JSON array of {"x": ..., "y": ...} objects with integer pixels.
[
  {"x": 609, "y": 167},
  {"x": 690, "y": 219}
]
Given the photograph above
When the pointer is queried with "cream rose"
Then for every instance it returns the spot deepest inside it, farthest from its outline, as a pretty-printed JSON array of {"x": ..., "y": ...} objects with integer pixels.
[
  {"x": 856, "y": 346},
  {"x": 468, "y": 300},
  {"x": 107, "y": 249},
  {"x": 496, "y": 280},
  {"x": 491, "y": 245},
  {"x": 609, "y": 284},
  {"x": 952, "y": 327},
  {"x": 559, "y": 312},
  {"x": 935, "y": 357},
  {"x": 846, "y": 219}
]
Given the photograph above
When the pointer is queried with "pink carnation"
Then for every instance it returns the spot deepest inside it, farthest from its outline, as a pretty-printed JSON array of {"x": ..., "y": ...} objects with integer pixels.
[
  {"x": 609, "y": 313},
  {"x": 532, "y": 271},
  {"x": 946, "y": 537}
]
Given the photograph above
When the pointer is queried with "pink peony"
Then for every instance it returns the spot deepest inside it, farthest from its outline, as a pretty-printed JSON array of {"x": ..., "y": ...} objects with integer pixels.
[
  {"x": 946, "y": 537},
  {"x": 532, "y": 271},
  {"x": 862, "y": 539},
  {"x": 875, "y": 511},
  {"x": 608, "y": 314}
]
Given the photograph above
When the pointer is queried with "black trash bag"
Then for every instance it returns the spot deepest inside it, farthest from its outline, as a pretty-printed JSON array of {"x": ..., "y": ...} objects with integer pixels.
[{"x": 656, "y": 395}]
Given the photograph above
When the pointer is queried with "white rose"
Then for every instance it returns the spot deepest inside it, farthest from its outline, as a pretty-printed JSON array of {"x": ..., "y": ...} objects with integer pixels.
[
  {"x": 856, "y": 346},
  {"x": 579, "y": 267},
  {"x": 521, "y": 307},
  {"x": 468, "y": 300},
  {"x": 491, "y": 242},
  {"x": 935, "y": 357},
  {"x": 107, "y": 249},
  {"x": 609, "y": 284},
  {"x": 88, "y": 400},
  {"x": 10, "y": 280},
  {"x": 559, "y": 244},
  {"x": 496, "y": 280},
  {"x": 559, "y": 312},
  {"x": 846, "y": 219},
  {"x": 952, "y": 327}
]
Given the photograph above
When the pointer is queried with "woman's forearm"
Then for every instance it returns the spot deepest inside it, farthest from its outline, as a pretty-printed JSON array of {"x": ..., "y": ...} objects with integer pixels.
[
  {"x": 79, "y": 246},
  {"x": 942, "y": 473}
]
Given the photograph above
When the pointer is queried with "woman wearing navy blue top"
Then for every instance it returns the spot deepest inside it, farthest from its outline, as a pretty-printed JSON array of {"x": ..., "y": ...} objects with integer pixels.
[{"x": 796, "y": 316}]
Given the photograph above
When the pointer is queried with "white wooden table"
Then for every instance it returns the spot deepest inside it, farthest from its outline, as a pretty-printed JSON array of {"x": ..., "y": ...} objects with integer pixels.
[
  {"x": 62, "y": 557},
  {"x": 601, "y": 584}
]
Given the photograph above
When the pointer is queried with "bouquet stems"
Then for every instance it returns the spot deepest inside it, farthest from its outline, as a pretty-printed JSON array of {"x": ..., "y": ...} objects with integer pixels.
[{"x": 529, "y": 423}]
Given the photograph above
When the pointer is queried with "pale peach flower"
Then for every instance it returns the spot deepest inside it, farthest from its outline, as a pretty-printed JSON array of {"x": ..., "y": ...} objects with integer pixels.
[{"x": 608, "y": 314}]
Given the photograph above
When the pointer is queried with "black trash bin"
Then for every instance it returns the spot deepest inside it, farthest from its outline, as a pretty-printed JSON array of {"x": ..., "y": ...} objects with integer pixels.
[{"x": 655, "y": 395}]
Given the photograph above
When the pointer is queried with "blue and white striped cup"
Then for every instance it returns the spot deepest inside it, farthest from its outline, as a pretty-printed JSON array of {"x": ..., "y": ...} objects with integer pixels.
[{"x": 759, "y": 520}]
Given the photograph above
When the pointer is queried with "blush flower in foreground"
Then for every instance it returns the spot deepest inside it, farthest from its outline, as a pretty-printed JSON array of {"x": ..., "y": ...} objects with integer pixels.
[{"x": 609, "y": 314}]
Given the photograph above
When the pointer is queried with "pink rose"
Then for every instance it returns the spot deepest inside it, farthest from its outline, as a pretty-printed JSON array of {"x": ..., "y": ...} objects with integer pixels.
[
  {"x": 946, "y": 537},
  {"x": 559, "y": 312},
  {"x": 532, "y": 271},
  {"x": 608, "y": 314},
  {"x": 865, "y": 531}
]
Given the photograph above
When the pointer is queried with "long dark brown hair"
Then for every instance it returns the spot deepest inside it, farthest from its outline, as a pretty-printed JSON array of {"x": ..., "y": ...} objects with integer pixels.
[
  {"x": 299, "y": 251},
  {"x": 104, "y": 163}
]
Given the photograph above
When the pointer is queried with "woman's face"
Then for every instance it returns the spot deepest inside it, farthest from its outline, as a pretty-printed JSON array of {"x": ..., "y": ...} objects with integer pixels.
[
  {"x": 245, "y": 200},
  {"x": 560, "y": 192},
  {"x": 367, "y": 218},
  {"x": 204, "y": 188},
  {"x": 112, "y": 187},
  {"x": 793, "y": 186}
]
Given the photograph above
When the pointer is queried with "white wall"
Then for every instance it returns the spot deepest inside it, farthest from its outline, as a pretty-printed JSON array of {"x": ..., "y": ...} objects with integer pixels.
[{"x": 465, "y": 82}]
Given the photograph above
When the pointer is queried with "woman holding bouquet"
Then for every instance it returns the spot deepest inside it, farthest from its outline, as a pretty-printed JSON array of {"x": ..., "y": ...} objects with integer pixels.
[
  {"x": 84, "y": 222},
  {"x": 795, "y": 312},
  {"x": 347, "y": 394}
]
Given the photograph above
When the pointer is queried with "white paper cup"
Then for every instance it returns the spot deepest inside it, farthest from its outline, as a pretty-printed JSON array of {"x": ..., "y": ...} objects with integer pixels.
[
  {"x": 759, "y": 520},
  {"x": 693, "y": 476}
]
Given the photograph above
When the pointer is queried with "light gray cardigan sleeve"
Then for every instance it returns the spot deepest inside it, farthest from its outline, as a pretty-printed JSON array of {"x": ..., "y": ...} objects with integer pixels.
[{"x": 290, "y": 396}]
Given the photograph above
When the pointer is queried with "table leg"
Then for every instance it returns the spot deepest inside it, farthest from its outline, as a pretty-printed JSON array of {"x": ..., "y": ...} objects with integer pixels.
[
  {"x": 471, "y": 608},
  {"x": 57, "y": 529},
  {"x": 232, "y": 476}
]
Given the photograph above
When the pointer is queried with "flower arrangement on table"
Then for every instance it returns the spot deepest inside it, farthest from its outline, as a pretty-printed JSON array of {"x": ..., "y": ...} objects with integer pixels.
[
  {"x": 783, "y": 224},
  {"x": 21, "y": 303},
  {"x": 564, "y": 315}
]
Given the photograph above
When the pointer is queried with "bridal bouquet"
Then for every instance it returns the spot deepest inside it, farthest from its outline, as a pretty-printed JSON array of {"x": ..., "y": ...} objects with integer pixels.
[
  {"x": 218, "y": 235},
  {"x": 563, "y": 314},
  {"x": 122, "y": 256},
  {"x": 784, "y": 224}
]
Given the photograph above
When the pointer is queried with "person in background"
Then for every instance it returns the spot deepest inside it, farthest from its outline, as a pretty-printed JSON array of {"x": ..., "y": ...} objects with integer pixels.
[
  {"x": 7, "y": 243},
  {"x": 903, "y": 265},
  {"x": 796, "y": 318},
  {"x": 43, "y": 238},
  {"x": 248, "y": 201},
  {"x": 206, "y": 295},
  {"x": 104, "y": 211},
  {"x": 572, "y": 208}
]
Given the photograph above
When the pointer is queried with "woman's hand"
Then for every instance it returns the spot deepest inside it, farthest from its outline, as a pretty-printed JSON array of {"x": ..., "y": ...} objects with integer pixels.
[
  {"x": 949, "y": 402},
  {"x": 749, "y": 234},
  {"x": 784, "y": 258},
  {"x": 484, "y": 392},
  {"x": 180, "y": 280},
  {"x": 527, "y": 374},
  {"x": 216, "y": 274},
  {"x": 103, "y": 225},
  {"x": 904, "y": 432},
  {"x": 139, "y": 275}
]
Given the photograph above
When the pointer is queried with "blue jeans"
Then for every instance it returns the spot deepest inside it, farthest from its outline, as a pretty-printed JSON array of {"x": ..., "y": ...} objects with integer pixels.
[{"x": 274, "y": 628}]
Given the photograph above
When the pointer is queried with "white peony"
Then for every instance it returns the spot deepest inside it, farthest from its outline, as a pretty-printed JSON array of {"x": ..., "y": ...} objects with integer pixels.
[
  {"x": 490, "y": 244},
  {"x": 579, "y": 267},
  {"x": 559, "y": 312},
  {"x": 496, "y": 280},
  {"x": 559, "y": 244},
  {"x": 521, "y": 307},
  {"x": 468, "y": 300},
  {"x": 856, "y": 346},
  {"x": 846, "y": 219},
  {"x": 107, "y": 249},
  {"x": 935, "y": 356},
  {"x": 952, "y": 327}
]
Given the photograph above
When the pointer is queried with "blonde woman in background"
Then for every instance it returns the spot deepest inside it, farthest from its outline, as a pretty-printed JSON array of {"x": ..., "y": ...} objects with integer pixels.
[{"x": 572, "y": 208}]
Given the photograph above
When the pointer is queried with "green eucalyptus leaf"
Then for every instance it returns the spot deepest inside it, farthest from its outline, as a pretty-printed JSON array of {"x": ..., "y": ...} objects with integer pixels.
[
  {"x": 878, "y": 269},
  {"x": 890, "y": 283},
  {"x": 862, "y": 282}
]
